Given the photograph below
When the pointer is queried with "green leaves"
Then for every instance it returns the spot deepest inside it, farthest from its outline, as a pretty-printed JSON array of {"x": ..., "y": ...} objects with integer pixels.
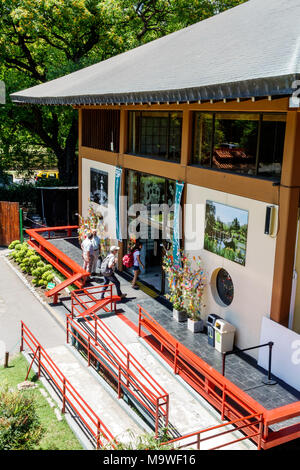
[
  {"x": 45, "y": 39},
  {"x": 20, "y": 428}
]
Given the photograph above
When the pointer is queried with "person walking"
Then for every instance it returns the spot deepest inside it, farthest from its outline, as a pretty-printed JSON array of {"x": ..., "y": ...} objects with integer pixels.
[
  {"x": 108, "y": 268},
  {"x": 96, "y": 246},
  {"x": 88, "y": 253},
  {"x": 136, "y": 251}
]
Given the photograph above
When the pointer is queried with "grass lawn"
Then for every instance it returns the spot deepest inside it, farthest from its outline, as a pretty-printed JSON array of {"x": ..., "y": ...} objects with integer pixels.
[{"x": 57, "y": 435}]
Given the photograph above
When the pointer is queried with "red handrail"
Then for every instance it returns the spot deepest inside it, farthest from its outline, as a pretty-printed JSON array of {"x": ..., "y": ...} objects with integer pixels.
[
  {"x": 127, "y": 371},
  {"x": 78, "y": 299},
  {"x": 69, "y": 394},
  {"x": 258, "y": 420}
]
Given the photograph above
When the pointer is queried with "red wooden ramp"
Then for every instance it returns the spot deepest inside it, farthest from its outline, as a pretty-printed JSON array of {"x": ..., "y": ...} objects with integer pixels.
[
  {"x": 55, "y": 291},
  {"x": 86, "y": 301},
  {"x": 65, "y": 265}
]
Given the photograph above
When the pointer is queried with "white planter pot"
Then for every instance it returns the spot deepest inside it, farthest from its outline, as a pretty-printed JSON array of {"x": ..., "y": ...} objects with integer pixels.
[
  {"x": 195, "y": 326},
  {"x": 179, "y": 316}
]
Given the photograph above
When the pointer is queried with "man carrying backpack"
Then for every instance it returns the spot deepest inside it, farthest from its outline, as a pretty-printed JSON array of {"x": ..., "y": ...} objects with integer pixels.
[{"x": 107, "y": 270}]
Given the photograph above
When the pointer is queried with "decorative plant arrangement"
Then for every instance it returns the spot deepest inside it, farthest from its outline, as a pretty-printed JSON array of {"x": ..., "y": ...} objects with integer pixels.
[
  {"x": 193, "y": 289},
  {"x": 175, "y": 281},
  {"x": 94, "y": 221},
  {"x": 186, "y": 285},
  {"x": 31, "y": 263}
]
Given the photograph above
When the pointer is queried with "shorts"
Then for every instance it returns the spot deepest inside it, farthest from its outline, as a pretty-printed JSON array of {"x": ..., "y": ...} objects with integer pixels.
[{"x": 136, "y": 268}]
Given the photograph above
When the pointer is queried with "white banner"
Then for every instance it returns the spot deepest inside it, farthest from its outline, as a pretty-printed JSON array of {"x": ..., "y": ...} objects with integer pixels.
[{"x": 286, "y": 352}]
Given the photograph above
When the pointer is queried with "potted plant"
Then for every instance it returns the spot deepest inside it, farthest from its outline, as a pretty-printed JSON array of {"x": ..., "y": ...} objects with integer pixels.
[
  {"x": 193, "y": 282},
  {"x": 175, "y": 281}
]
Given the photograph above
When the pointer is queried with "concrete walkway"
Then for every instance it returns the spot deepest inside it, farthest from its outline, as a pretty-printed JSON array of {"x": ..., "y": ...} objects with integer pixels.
[
  {"x": 188, "y": 412},
  {"x": 105, "y": 405},
  {"x": 18, "y": 303}
]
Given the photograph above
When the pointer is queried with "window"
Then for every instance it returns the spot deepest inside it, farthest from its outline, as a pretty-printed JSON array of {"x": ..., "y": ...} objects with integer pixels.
[
  {"x": 101, "y": 129},
  {"x": 155, "y": 134},
  {"x": 246, "y": 143},
  {"x": 203, "y": 138},
  {"x": 225, "y": 287},
  {"x": 235, "y": 142},
  {"x": 272, "y": 143}
]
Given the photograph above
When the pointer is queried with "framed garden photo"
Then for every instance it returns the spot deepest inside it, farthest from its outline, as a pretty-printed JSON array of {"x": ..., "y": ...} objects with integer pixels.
[{"x": 226, "y": 229}]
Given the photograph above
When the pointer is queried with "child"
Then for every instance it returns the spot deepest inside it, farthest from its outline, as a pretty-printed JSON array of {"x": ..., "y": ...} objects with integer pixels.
[{"x": 136, "y": 251}]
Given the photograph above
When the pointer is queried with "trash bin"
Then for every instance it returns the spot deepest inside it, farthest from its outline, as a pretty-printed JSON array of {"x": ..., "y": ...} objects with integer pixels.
[
  {"x": 224, "y": 336},
  {"x": 210, "y": 323}
]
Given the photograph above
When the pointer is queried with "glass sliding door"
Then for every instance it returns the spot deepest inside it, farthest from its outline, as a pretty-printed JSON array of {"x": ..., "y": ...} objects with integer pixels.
[{"x": 149, "y": 201}]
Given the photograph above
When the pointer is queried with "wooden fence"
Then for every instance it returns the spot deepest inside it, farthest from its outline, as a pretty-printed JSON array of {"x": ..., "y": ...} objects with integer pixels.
[{"x": 9, "y": 222}]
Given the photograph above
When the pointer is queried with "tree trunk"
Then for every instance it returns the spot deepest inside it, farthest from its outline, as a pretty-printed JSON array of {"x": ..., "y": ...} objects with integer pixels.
[{"x": 67, "y": 158}]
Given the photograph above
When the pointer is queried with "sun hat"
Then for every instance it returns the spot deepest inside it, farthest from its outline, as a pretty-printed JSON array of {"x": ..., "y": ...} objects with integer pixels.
[{"x": 114, "y": 248}]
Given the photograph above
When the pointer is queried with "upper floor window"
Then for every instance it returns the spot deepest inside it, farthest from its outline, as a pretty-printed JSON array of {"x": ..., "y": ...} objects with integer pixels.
[
  {"x": 247, "y": 143},
  {"x": 101, "y": 129},
  {"x": 155, "y": 134}
]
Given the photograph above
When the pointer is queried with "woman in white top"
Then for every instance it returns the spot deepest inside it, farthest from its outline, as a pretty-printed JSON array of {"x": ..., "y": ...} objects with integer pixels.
[{"x": 136, "y": 251}]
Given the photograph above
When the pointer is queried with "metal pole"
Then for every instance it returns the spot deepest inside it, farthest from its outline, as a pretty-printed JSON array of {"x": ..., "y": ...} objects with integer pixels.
[
  {"x": 21, "y": 225},
  {"x": 223, "y": 364},
  {"x": 269, "y": 380},
  {"x": 39, "y": 364},
  {"x": 22, "y": 343},
  {"x": 119, "y": 383},
  {"x": 6, "y": 360},
  {"x": 156, "y": 418},
  {"x": 64, "y": 396},
  {"x": 43, "y": 209}
]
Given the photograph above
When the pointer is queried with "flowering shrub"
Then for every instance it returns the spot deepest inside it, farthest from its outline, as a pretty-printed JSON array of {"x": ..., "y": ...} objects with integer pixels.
[
  {"x": 186, "y": 283},
  {"x": 94, "y": 221}
]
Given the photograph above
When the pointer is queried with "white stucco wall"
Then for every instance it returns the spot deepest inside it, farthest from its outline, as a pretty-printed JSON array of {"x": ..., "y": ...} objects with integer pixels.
[
  {"x": 107, "y": 212},
  {"x": 252, "y": 282}
]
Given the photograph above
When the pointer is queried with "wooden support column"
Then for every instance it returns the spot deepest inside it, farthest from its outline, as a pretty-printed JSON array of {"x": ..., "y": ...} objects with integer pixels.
[
  {"x": 123, "y": 135},
  {"x": 79, "y": 162},
  {"x": 186, "y": 148},
  {"x": 186, "y": 140},
  {"x": 288, "y": 218},
  {"x": 122, "y": 151}
]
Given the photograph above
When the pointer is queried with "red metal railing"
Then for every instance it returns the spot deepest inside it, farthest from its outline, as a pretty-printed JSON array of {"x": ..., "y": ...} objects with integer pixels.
[
  {"x": 230, "y": 400},
  {"x": 53, "y": 255},
  {"x": 105, "y": 347},
  {"x": 86, "y": 298},
  {"x": 195, "y": 438},
  {"x": 69, "y": 394}
]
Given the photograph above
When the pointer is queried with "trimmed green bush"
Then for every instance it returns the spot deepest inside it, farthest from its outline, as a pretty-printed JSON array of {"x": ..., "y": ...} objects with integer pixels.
[{"x": 31, "y": 263}]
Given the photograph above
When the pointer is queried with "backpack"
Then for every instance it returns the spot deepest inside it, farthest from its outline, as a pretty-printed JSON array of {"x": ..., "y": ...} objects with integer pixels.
[
  {"x": 128, "y": 260},
  {"x": 104, "y": 269}
]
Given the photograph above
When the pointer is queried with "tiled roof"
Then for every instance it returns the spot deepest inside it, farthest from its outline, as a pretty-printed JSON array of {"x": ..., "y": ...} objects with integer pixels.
[{"x": 251, "y": 50}]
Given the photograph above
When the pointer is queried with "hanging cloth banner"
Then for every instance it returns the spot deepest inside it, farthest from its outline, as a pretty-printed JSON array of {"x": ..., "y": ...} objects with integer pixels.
[
  {"x": 118, "y": 178},
  {"x": 177, "y": 222}
]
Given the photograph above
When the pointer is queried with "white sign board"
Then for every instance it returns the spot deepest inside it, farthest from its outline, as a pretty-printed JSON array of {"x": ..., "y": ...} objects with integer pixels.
[{"x": 286, "y": 352}]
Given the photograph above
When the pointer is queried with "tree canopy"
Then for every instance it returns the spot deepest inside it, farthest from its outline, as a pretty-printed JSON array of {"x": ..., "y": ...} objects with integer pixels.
[{"x": 44, "y": 39}]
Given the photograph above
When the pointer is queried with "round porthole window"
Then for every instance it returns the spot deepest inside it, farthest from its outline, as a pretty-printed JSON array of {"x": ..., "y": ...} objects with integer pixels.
[{"x": 224, "y": 286}]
